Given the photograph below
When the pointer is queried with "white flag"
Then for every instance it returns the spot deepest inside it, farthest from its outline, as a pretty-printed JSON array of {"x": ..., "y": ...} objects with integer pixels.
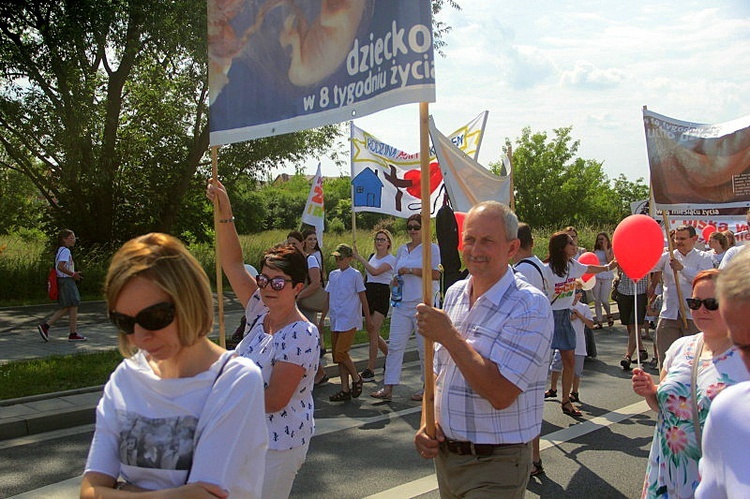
[
  {"x": 387, "y": 180},
  {"x": 314, "y": 213},
  {"x": 466, "y": 181}
]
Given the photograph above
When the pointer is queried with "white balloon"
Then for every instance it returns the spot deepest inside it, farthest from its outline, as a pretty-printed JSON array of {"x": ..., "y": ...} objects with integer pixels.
[{"x": 589, "y": 284}]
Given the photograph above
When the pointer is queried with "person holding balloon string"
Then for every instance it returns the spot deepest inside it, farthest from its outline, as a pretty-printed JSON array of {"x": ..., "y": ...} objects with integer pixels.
[{"x": 565, "y": 269}]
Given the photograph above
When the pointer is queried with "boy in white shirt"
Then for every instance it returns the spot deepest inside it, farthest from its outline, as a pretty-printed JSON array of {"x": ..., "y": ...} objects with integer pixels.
[{"x": 345, "y": 299}]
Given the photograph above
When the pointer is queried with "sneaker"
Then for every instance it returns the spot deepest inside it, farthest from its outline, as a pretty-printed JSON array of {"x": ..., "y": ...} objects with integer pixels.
[
  {"x": 367, "y": 375},
  {"x": 76, "y": 337},
  {"x": 625, "y": 363},
  {"x": 43, "y": 329}
]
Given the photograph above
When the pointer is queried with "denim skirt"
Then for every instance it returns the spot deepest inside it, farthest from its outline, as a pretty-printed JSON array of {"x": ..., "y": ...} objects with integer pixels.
[{"x": 564, "y": 336}]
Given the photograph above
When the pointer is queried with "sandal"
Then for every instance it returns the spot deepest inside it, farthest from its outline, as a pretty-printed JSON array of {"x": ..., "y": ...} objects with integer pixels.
[
  {"x": 550, "y": 394},
  {"x": 416, "y": 397},
  {"x": 381, "y": 394},
  {"x": 322, "y": 380},
  {"x": 597, "y": 326},
  {"x": 574, "y": 397},
  {"x": 610, "y": 321},
  {"x": 569, "y": 409},
  {"x": 357, "y": 388},
  {"x": 537, "y": 468},
  {"x": 341, "y": 396}
]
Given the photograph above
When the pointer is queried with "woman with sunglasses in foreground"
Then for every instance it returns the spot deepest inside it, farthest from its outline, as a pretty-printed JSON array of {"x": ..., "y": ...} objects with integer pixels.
[
  {"x": 179, "y": 414},
  {"x": 682, "y": 405},
  {"x": 280, "y": 340},
  {"x": 404, "y": 314}
]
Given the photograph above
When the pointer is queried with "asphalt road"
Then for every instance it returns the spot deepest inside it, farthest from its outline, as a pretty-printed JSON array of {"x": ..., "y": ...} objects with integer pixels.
[{"x": 363, "y": 448}]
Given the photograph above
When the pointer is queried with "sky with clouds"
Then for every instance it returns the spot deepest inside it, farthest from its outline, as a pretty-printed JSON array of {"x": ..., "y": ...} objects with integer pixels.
[{"x": 590, "y": 65}]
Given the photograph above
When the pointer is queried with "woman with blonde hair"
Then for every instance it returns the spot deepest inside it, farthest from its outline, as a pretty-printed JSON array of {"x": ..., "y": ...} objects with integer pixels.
[
  {"x": 380, "y": 270},
  {"x": 179, "y": 413}
]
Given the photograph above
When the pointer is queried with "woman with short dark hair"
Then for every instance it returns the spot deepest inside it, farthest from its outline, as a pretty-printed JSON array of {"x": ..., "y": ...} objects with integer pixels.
[{"x": 280, "y": 340}]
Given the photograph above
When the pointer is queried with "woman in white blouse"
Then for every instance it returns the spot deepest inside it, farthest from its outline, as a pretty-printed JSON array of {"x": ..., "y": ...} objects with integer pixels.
[{"x": 403, "y": 315}]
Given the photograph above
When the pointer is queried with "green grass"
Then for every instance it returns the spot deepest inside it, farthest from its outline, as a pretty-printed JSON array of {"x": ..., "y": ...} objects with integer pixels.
[
  {"x": 67, "y": 372},
  {"x": 57, "y": 373}
]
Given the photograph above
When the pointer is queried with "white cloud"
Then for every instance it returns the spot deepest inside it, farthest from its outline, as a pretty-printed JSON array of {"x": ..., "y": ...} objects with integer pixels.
[
  {"x": 587, "y": 76},
  {"x": 549, "y": 64}
]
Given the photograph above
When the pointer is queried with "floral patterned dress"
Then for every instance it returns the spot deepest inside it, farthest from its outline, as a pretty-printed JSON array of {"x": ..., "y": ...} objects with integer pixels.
[{"x": 672, "y": 470}]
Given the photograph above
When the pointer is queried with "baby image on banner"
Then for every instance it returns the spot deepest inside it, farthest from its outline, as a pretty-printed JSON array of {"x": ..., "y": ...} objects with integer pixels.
[{"x": 279, "y": 66}]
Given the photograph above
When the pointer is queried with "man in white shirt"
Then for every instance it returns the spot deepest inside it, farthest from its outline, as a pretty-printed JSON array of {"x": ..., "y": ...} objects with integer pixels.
[
  {"x": 724, "y": 467},
  {"x": 528, "y": 264},
  {"x": 687, "y": 262}
]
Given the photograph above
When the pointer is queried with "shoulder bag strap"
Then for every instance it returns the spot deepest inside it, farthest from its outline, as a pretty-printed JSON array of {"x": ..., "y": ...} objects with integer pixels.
[
  {"x": 694, "y": 391},
  {"x": 541, "y": 274}
]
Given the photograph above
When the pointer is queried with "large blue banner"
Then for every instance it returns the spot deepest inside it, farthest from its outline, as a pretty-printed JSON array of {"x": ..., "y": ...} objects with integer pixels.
[{"x": 279, "y": 66}]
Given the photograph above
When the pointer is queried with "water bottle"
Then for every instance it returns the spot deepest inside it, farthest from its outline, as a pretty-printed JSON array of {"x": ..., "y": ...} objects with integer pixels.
[{"x": 396, "y": 290}]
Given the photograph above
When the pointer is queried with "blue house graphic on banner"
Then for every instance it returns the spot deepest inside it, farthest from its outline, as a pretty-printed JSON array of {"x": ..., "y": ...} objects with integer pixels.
[{"x": 368, "y": 189}]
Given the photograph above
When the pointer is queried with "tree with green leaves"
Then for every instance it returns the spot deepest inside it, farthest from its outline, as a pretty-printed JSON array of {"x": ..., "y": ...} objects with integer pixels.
[
  {"x": 554, "y": 188},
  {"x": 103, "y": 106}
]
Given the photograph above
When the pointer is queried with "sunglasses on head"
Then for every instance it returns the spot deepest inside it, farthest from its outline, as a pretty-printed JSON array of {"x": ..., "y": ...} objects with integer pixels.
[
  {"x": 413, "y": 227},
  {"x": 151, "y": 318},
  {"x": 277, "y": 283},
  {"x": 695, "y": 303}
]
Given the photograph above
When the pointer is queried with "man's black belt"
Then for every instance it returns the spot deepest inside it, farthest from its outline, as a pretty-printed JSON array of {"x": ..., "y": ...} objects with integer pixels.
[{"x": 472, "y": 449}]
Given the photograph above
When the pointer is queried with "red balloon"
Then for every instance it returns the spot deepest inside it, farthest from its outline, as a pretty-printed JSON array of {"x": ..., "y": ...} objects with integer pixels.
[
  {"x": 460, "y": 222},
  {"x": 588, "y": 258},
  {"x": 707, "y": 231},
  {"x": 637, "y": 242}
]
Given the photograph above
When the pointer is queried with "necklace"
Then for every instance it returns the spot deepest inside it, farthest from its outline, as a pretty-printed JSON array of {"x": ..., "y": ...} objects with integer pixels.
[{"x": 271, "y": 326}]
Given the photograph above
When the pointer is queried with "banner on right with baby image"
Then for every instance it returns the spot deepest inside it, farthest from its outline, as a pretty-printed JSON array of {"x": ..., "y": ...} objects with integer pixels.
[{"x": 697, "y": 166}]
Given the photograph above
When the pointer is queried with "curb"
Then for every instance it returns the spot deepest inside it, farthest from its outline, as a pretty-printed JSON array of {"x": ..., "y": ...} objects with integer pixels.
[{"x": 25, "y": 416}]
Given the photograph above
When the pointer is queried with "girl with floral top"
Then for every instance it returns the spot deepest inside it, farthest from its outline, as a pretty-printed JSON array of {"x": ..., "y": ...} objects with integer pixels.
[{"x": 672, "y": 469}]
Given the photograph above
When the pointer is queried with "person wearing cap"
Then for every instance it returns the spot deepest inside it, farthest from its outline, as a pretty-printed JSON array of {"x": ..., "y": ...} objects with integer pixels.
[{"x": 345, "y": 300}]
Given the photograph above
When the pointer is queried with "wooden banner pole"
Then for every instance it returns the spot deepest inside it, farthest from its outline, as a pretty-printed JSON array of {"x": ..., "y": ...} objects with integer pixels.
[
  {"x": 219, "y": 280},
  {"x": 428, "y": 399}
]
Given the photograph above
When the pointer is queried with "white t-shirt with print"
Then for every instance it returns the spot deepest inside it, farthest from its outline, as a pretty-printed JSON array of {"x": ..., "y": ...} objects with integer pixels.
[
  {"x": 159, "y": 433},
  {"x": 563, "y": 288}
]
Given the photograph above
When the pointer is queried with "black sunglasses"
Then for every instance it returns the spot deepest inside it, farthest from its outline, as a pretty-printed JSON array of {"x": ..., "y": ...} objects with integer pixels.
[
  {"x": 152, "y": 318},
  {"x": 695, "y": 303},
  {"x": 414, "y": 227},
  {"x": 277, "y": 283}
]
